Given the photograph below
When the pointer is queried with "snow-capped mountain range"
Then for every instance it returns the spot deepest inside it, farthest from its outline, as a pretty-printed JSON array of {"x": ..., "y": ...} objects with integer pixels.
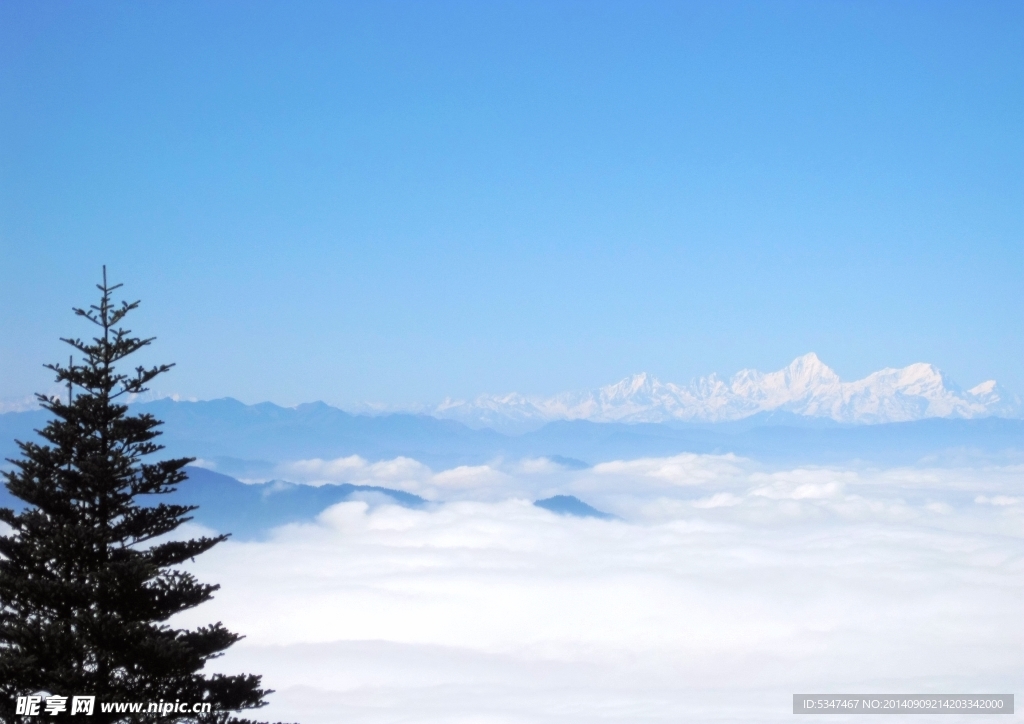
[{"x": 806, "y": 387}]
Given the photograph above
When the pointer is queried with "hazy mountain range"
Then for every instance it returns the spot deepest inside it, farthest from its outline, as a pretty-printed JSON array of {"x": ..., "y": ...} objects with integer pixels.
[
  {"x": 252, "y": 442},
  {"x": 806, "y": 387},
  {"x": 249, "y": 511},
  {"x": 799, "y": 415}
]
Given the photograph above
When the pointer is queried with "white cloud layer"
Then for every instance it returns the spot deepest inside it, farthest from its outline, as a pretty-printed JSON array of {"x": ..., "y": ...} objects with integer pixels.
[
  {"x": 400, "y": 473},
  {"x": 725, "y": 589}
]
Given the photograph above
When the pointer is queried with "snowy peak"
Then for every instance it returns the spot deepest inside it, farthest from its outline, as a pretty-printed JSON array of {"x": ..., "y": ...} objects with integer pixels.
[
  {"x": 808, "y": 373},
  {"x": 994, "y": 398},
  {"x": 807, "y": 386},
  {"x": 804, "y": 378}
]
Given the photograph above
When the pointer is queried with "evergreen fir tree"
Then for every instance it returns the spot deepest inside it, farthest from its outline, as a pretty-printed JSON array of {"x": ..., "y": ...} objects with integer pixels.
[{"x": 86, "y": 588}]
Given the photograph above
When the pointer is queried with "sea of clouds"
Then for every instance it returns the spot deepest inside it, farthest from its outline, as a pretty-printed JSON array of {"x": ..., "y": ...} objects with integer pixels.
[{"x": 722, "y": 588}]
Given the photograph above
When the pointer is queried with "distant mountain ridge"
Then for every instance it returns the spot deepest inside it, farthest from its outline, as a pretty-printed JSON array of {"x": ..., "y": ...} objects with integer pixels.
[
  {"x": 806, "y": 387},
  {"x": 255, "y": 442}
]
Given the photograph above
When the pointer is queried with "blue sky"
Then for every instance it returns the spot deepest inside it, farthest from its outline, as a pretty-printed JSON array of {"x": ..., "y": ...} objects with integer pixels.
[{"x": 401, "y": 201}]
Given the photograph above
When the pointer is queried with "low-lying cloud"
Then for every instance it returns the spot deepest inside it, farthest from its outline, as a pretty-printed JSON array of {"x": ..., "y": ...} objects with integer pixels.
[
  {"x": 400, "y": 473},
  {"x": 724, "y": 588}
]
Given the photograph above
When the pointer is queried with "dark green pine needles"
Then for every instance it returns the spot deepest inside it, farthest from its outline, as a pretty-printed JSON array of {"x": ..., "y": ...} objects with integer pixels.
[{"x": 86, "y": 584}]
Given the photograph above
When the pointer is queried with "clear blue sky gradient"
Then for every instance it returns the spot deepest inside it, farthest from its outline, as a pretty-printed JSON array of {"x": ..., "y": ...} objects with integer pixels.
[{"x": 399, "y": 201}]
